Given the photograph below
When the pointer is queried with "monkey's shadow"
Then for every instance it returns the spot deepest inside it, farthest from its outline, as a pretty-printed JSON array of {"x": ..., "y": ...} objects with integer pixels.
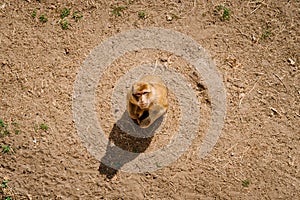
[{"x": 129, "y": 137}]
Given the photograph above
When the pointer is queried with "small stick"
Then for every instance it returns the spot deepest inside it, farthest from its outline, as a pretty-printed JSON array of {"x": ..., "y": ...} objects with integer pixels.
[
  {"x": 281, "y": 81},
  {"x": 255, "y": 9},
  {"x": 155, "y": 66},
  {"x": 249, "y": 91}
]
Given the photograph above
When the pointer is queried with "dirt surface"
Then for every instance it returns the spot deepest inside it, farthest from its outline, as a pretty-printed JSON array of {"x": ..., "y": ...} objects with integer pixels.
[{"x": 255, "y": 45}]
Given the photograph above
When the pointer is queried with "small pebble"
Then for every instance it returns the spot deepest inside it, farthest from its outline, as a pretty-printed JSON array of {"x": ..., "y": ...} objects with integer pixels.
[{"x": 169, "y": 18}]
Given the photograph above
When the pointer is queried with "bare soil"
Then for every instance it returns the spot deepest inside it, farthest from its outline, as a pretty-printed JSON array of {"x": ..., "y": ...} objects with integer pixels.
[{"x": 256, "y": 49}]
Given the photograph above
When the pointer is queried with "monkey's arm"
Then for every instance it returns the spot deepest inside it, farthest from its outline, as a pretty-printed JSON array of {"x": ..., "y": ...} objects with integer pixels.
[
  {"x": 132, "y": 111},
  {"x": 154, "y": 113}
]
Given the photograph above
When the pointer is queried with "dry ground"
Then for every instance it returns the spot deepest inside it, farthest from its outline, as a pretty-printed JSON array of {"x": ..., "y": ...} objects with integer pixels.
[{"x": 256, "y": 50}]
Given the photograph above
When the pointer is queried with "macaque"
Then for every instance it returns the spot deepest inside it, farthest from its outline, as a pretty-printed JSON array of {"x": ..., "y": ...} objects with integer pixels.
[{"x": 147, "y": 100}]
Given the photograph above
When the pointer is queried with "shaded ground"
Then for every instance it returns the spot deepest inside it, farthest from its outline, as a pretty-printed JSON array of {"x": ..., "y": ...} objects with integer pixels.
[{"x": 255, "y": 47}]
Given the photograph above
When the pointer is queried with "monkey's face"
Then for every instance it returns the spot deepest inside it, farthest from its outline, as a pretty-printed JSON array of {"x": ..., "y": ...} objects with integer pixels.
[{"x": 142, "y": 93}]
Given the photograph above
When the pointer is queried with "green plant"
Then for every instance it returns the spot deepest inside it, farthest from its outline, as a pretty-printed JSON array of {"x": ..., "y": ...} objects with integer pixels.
[
  {"x": 44, "y": 127},
  {"x": 245, "y": 183},
  {"x": 266, "y": 34},
  {"x": 4, "y": 183},
  {"x": 77, "y": 16},
  {"x": 6, "y": 148},
  {"x": 43, "y": 18},
  {"x": 117, "y": 10},
  {"x": 142, "y": 14},
  {"x": 64, "y": 24},
  {"x": 64, "y": 13},
  {"x": 33, "y": 14},
  {"x": 2, "y": 124},
  {"x": 225, "y": 12},
  {"x": 3, "y": 128}
]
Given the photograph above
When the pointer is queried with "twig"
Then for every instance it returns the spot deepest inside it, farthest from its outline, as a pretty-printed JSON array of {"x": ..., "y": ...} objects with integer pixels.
[
  {"x": 261, "y": 3},
  {"x": 155, "y": 66},
  {"x": 281, "y": 81},
  {"x": 242, "y": 98},
  {"x": 255, "y": 9}
]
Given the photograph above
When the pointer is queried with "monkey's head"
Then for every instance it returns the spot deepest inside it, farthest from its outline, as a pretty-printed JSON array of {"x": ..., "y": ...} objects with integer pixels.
[{"x": 142, "y": 93}]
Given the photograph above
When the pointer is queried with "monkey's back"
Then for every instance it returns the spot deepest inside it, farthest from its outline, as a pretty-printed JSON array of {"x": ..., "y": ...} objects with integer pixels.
[{"x": 160, "y": 86}]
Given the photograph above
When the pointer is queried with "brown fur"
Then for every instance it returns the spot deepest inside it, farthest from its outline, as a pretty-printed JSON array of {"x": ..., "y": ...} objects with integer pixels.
[{"x": 147, "y": 100}]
